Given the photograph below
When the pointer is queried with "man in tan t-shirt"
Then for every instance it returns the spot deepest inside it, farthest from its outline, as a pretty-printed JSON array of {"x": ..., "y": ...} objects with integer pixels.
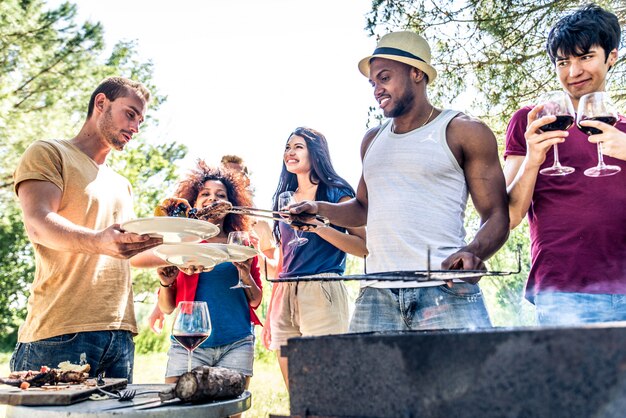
[{"x": 81, "y": 304}]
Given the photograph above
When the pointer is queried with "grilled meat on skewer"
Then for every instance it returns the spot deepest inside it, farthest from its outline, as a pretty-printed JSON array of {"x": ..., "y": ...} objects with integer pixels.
[{"x": 215, "y": 210}]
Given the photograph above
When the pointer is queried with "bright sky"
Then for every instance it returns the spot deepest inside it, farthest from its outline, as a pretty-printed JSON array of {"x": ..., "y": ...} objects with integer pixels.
[{"x": 240, "y": 75}]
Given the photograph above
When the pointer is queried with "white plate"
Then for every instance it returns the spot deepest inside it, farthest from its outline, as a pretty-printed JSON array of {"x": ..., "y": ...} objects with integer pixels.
[
  {"x": 173, "y": 229},
  {"x": 236, "y": 253},
  {"x": 184, "y": 255}
]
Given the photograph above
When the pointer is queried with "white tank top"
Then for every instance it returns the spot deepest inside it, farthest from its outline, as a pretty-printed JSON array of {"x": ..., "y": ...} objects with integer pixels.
[{"x": 417, "y": 196}]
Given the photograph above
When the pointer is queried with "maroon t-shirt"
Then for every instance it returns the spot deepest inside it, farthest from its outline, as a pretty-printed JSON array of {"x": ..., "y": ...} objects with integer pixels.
[{"x": 577, "y": 223}]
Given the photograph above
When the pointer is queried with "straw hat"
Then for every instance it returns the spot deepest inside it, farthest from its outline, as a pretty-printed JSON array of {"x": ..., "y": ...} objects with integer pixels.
[{"x": 407, "y": 47}]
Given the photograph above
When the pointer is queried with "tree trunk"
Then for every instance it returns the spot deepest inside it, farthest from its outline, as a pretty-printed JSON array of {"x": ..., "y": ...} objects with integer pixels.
[{"x": 206, "y": 383}]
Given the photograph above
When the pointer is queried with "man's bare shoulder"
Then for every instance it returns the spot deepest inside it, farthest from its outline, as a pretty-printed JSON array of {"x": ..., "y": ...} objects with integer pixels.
[
  {"x": 368, "y": 138},
  {"x": 467, "y": 127},
  {"x": 464, "y": 121}
]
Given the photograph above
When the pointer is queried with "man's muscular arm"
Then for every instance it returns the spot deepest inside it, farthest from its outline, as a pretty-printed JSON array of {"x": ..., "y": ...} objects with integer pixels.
[{"x": 475, "y": 147}]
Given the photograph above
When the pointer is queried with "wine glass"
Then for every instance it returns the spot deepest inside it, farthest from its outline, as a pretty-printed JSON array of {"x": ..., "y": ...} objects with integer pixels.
[
  {"x": 284, "y": 200},
  {"x": 192, "y": 326},
  {"x": 597, "y": 106},
  {"x": 239, "y": 238},
  {"x": 556, "y": 103}
]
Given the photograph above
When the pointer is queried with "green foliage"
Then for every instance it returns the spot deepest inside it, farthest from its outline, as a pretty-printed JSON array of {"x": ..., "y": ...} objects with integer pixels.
[
  {"x": 148, "y": 341},
  {"x": 16, "y": 271}
]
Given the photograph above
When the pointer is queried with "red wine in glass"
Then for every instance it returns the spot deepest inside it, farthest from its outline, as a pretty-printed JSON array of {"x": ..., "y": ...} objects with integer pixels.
[
  {"x": 597, "y": 106},
  {"x": 191, "y": 341},
  {"x": 557, "y": 104},
  {"x": 609, "y": 120},
  {"x": 192, "y": 325},
  {"x": 562, "y": 123}
]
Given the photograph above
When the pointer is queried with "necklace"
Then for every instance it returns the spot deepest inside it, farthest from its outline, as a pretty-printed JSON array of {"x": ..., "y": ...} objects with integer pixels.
[
  {"x": 306, "y": 189},
  {"x": 432, "y": 110}
]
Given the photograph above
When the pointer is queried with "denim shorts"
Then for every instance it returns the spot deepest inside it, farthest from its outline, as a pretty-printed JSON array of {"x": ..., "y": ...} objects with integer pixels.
[
  {"x": 237, "y": 356},
  {"x": 561, "y": 308},
  {"x": 109, "y": 352},
  {"x": 417, "y": 308}
]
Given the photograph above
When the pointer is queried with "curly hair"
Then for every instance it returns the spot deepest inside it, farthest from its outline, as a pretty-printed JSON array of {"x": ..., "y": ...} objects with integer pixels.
[{"x": 236, "y": 192}]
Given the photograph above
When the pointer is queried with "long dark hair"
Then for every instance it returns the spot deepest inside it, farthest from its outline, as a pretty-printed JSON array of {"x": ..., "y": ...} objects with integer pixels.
[
  {"x": 236, "y": 191},
  {"x": 322, "y": 172}
]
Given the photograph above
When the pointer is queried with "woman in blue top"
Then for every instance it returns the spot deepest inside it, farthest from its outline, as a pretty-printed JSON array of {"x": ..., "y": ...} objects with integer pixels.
[
  {"x": 317, "y": 307},
  {"x": 231, "y": 343}
]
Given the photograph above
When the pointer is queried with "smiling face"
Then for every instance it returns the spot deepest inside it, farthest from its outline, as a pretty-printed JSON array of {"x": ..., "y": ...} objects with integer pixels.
[
  {"x": 296, "y": 156},
  {"x": 120, "y": 119},
  {"x": 586, "y": 73},
  {"x": 211, "y": 191},
  {"x": 393, "y": 86}
]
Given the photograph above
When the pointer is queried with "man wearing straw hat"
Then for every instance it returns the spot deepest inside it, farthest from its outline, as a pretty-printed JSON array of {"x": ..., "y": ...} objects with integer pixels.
[{"x": 418, "y": 169}]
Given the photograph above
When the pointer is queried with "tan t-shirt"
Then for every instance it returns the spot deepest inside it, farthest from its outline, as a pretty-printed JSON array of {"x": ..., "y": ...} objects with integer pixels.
[{"x": 76, "y": 292}]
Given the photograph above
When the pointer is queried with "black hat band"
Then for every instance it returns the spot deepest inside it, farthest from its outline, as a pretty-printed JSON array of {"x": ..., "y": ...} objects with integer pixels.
[{"x": 396, "y": 51}]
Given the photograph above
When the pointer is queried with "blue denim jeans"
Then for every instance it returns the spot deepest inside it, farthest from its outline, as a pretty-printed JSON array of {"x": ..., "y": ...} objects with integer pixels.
[
  {"x": 237, "y": 356},
  {"x": 111, "y": 352},
  {"x": 560, "y": 308},
  {"x": 419, "y": 308}
]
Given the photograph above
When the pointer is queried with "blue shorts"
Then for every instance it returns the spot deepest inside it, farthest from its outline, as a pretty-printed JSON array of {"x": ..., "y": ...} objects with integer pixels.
[
  {"x": 417, "y": 308},
  {"x": 561, "y": 308},
  {"x": 111, "y": 352},
  {"x": 237, "y": 356}
]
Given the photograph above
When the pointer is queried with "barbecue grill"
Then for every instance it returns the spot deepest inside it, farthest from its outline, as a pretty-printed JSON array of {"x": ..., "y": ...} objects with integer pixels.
[{"x": 526, "y": 372}]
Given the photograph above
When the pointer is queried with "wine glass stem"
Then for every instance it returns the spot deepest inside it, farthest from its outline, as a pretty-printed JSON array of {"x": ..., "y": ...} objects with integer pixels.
[
  {"x": 600, "y": 156},
  {"x": 189, "y": 354},
  {"x": 557, "y": 163}
]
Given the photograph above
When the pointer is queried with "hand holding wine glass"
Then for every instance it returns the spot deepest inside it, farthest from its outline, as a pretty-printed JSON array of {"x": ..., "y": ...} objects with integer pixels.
[
  {"x": 597, "y": 106},
  {"x": 558, "y": 104},
  {"x": 192, "y": 326},
  {"x": 240, "y": 238},
  {"x": 612, "y": 138},
  {"x": 285, "y": 199}
]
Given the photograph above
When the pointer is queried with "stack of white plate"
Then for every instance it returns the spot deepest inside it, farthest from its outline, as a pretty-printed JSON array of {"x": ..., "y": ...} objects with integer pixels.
[{"x": 182, "y": 244}]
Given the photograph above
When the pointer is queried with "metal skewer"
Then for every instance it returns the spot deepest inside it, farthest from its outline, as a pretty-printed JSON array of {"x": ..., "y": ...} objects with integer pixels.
[
  {"x": 405, "y": 276},
  {"x": 281, "y": 216}
]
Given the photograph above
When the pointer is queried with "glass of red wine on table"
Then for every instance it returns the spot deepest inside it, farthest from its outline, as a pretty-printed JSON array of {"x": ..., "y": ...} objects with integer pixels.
[
  {"x": 556, "y": 103},
  {"x": 597, "y": 106},
  {"x": 192, "y": 326}
]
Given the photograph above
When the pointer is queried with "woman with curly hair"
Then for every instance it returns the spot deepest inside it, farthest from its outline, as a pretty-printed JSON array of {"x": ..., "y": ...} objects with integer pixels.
[
  {"x": 317, "y": 307},
  {"x": 231, "y": 343}
]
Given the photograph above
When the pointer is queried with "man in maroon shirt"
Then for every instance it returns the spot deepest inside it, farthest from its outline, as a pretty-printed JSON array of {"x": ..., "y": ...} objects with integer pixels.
[{"x": 577, "y": 223}]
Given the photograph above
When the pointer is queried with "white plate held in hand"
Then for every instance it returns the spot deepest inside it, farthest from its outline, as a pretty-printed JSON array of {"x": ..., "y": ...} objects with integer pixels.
[
  {"x": 185, "y": 255},
  {"x": 173, "y": 229}
]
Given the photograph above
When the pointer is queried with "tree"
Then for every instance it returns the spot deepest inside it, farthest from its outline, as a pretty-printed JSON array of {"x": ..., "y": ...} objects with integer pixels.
[
  {"x": 49, "y": 66},
  {"x": 496, "y": 51}
]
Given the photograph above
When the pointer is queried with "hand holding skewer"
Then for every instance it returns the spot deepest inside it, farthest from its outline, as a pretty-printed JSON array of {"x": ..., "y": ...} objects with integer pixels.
[{"x": 464, "y": 260}]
